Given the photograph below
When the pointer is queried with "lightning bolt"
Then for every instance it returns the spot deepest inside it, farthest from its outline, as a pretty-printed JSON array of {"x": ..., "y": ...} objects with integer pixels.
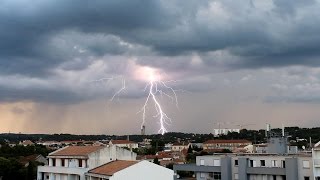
[
  {"x": 154, "y": 87},
  {"x": 120, "y": 90},
  {"x": 153, "y": 90}
]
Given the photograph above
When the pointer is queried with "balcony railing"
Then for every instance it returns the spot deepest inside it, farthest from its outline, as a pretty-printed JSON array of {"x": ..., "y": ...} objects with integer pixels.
[{"x": 64, "y": 170}]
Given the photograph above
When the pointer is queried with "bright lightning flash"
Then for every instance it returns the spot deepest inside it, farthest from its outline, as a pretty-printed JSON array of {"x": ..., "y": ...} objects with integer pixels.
[{"x": 154, "y": 86}]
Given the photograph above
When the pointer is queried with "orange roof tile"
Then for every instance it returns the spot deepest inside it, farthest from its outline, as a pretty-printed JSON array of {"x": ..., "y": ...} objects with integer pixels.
[
  {"x": 76, "y": 151},
  {"x": 122, "y": 142},
  {"x": 112, "y": 167},
  {"x": 227, "y": 141}
]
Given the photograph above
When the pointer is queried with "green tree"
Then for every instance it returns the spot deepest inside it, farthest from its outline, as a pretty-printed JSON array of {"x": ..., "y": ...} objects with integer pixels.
[
  {"x": 156, "y": 161},
  {"x": 169, "y": 166}
]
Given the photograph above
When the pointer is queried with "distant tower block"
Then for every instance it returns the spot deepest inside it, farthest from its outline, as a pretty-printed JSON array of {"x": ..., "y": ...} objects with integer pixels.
[{"x": 143, "y": 130}]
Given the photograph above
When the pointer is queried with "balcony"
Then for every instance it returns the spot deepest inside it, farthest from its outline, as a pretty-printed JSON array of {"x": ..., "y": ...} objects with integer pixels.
[
  {"x": 62, "y": 170},
  {"x": 196, "y": 168},
  {"x": 266, "y": 170}
]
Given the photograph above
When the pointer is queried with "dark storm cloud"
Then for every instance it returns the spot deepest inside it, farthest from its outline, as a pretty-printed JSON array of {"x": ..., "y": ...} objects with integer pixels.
[
  {"x": 43, "y": 38},
  {"x": 27, "y": 27},
  {"x": 169, "y": 27}
]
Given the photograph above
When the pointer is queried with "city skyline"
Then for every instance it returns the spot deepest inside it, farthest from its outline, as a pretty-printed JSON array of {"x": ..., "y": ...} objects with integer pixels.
[{"x": 245, "y": 62}]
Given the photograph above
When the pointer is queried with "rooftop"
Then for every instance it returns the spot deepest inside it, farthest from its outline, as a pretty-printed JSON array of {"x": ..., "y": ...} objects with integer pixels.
[
  {"x": 76, "y": 151},
  {"x": 262, "y": 154},
  {"x": 227, "y": 141},
  {"x": 112, "y": 167},
  {"x": 122, "y": 142}
]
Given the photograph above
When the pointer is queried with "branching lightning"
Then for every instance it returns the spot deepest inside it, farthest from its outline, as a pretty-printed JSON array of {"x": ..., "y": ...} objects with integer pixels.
[
  {"x": 120, "y": 90},
  {"x": 153, "y": 90},
  {"x": 154, "y": 87}
]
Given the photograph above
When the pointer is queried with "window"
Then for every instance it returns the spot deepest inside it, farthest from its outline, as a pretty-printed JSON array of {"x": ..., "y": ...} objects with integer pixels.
[
  {"x": 253, "y": 163},
  {"x": 217, "y": 175},
  {"x": 236, "y": 176},
  {"x": 216, "y": 162},
  {"x": 236, "y": 162},
  {"x": 306, "y": 164},
  {"x": 211, "y": 174},
  {"x": 202, "y": 175},
  {"x": 306, "y": 178},
  {"x": 283, "y": 164},
  {"x": 53, "y": 162},
  {"x": 274, "y": 177},
  {"x": 80, "y": 162},
  {"x": 274, "y": 163},
  {"x": 262, "y": 163},
  {"x": 201, "y": 162},
  {"x": 62, "y": 162}
]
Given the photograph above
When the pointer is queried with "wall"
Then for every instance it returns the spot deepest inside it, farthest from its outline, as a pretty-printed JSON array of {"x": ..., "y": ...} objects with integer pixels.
[
  {"x": 144, "y": 170},
  {"x": 108, "y": 154}
]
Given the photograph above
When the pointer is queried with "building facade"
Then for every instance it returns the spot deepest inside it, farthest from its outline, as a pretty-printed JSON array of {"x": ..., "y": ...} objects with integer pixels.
[
  {"x": 251, "y": 167},
  {"x": 225, "y": 144},
  {"x": 316, "y": 161},
  {"x": 124, "y": 144},
  {"x": 72, "y": 162},
  {"x": 133, "y": 170},
  {"x": 218, "y": 132}
]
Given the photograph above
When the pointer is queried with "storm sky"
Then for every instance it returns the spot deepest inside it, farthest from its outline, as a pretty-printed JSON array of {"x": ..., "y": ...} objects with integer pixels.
[{"x": 245, "y": 62}]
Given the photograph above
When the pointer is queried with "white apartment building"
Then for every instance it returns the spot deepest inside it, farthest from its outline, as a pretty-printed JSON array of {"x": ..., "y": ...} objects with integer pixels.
[
  {"x": 72, "y": 162},
  {"x": 316, "y": 161},
  {"x": 133, "y": 170},
  {"x": 217, "y": 132}
]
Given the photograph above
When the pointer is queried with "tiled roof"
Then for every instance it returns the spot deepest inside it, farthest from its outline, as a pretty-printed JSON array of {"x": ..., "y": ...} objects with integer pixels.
[
  {"x": 227, "y": 141},
  {"x": 122, "y": 142},
  {"x": 112, "y": 167},
  {"x": 180, "y": 144},
  {"x": 24, "y": 160},
  {"x": 76, "y": 151}
]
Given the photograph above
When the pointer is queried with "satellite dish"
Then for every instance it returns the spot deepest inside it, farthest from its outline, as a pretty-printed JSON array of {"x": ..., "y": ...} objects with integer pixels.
[{"x": 303, "y": 147}]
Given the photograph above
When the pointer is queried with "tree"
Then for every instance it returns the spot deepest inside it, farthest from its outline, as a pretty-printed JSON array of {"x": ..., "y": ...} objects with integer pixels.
[
  {"x": 169, "y": 166},
  {"x": 226, "y": 151},
  {"x": 30, "y": 171},
  {"x": 190, "y": 150},
  {"x": 156, "y": 161}
]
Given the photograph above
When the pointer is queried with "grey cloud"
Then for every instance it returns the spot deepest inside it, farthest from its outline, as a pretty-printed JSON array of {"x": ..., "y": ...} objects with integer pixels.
[{"x": 188, "y": 39}]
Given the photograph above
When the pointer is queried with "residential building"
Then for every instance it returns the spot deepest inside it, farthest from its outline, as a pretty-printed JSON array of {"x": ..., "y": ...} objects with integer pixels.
[
  {"x": 26, "y": 143},
  {"x": 251, "y": 167},
  {"x": 133, "y": 170},
  {"x": 316, "y": 161},
  {"x": 225, "y": 144},
  {"x": 72, "y": 162},
  {"x": 179, "y": 146},
  {"x": 33, "y": 158},
  {"x": 124, "y": 143},
  {"x": 217, "y": 132}
]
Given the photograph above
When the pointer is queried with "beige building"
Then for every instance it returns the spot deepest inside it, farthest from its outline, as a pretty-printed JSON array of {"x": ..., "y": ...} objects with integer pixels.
[
  {"x": 179, "y": 146},
  {"x": 225, "y": 144},
  {"x": 124, "y": 143}
]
